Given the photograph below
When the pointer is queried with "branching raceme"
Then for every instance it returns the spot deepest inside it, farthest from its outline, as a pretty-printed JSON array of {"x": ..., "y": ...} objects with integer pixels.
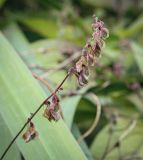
[{"x": 89, "y": 55}]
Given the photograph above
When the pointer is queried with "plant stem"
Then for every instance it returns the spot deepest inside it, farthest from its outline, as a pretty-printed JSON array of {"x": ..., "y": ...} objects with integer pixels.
[
  {"x": 46, "y": 83},
  {"x": 32, "y": 116},
  {"x": 61, "y": 65},
  {"x": 122, "y": 137},
  {"x": 94, "y": 124}
]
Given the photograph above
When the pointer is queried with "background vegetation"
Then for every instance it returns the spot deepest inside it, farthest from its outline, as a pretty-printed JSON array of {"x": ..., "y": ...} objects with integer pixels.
[{"x": 44, "y": 37}]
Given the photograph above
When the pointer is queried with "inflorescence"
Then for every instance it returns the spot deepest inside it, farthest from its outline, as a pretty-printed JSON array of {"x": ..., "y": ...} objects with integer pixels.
[{"x": 89, "y": 56}]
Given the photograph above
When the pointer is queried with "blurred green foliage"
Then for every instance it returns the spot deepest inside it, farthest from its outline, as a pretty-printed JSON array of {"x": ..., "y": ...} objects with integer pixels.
[{"x": 46, "y": 33}]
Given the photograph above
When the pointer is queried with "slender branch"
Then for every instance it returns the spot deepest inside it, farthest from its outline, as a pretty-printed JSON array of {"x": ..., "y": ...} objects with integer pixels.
[
  {"x": 61, "y": 65},
  {"x": 98, "y": 113},
  {"x": 135, "y": 157},
  {"x": 47, "y": 71},
  {"x": 45, "y": 82},
  {"x": 36, "y": 66},
  {"x": 122, "y": 137},
  {"x": 108, "y": 142},
  {"x": 129, "y": 129},
  {"x": 32, "y": 116}
]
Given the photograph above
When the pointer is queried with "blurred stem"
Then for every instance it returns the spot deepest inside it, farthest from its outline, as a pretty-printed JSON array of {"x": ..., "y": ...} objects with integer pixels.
[
  {"x": 61, "y": 65},
  {"x": 95, "y": 122},
  {"x": 127, "y": 131},
  {"x": 108, "y": 142},
  {"x": 46, "y": 83},
  {"x": 48, "y": 71},
  {"x": 122, "y": 137},
  {"x": 33, "y": 115}
]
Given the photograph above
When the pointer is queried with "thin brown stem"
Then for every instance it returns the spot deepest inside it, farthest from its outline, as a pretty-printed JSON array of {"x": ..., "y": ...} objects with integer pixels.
[
  {"x": 46, "y": 83},
  {"x": 94, "y": 124},
  {"x": 32, "y": 116}
]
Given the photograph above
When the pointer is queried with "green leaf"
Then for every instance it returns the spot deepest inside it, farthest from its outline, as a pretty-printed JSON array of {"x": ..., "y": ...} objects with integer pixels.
[
  {"x": 71, "y": 103},
  {"x": 18, "y": 40},
  {"x": 69, "y": 106},
  {"x": 137, "y": 100},
  {"x": 5, "y": 139},
  {"x": 128, "y": 146},
  {"x": 133, "y": 29},
  {"x": 138, "y": 54},
  {"x": 45, "y": 27},
  {"x": 85, "y": 113},
  {"x": 51, "y": 29},
  {"x": 83, "y": 145},
  {"x": 16, "y": 37},
  {"x": 2, "y": 2},
  {"x": 20, "y": 96},
  {"x": 47, "y": 52}
]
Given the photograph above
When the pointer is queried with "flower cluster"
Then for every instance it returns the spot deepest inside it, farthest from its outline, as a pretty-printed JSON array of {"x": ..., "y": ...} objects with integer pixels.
[
  {"x": 52, "y": 111},
  {"x": 90, "y": 52},
  {"x": 30, "y": 133}
]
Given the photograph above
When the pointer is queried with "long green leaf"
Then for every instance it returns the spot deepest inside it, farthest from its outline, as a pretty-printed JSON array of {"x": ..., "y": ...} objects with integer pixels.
[
  {"x": 4, "y": 140},
  {"x": 76, "y": 133},
  {"x": 20, "y": 43},
  {"x": 138, "y": 54},
  {"x": 20, "y": 96}
]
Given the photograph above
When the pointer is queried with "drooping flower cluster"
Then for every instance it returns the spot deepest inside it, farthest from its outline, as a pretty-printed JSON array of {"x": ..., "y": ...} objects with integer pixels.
[
  {"x": 90, "y": 52},
  {"x": 52, "y": 111},
  {"x": 30, "y": 133}
]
